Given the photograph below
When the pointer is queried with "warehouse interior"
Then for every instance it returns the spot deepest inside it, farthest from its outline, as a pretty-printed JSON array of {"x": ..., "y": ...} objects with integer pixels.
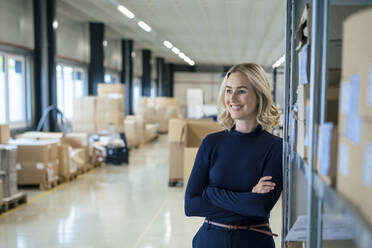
[{"x": 105, "y": 103}]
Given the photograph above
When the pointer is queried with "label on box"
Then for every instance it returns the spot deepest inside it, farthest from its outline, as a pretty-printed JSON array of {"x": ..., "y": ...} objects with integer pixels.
[
  {"x": 343, "y": 159},
  {"x": 50, "y": 173},
  {"x": 354, "y": 94},
  {"x": 324, "y": 148},
  {"x": 345, "y": 98},
  {"x": 367, "y": 165},
  {"x": 303, "y": 65},
  {"x": 40, "y": 166},
  {"x": 353, "y": 127},
  {"x": 370, "y": 87},
  {"x": 18, "y": 167}
]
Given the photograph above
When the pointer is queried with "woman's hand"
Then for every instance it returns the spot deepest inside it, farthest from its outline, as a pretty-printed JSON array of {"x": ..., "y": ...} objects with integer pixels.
[{"x": 264, "y": 185}]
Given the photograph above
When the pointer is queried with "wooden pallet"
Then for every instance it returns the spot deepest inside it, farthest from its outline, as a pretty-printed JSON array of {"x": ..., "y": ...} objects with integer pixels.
[
  {"x": 43, "y": 185},
  {"x": 175, "y": 183},
  {"x": 70, "y": 178},
  {"x": 13, "y": 202}
]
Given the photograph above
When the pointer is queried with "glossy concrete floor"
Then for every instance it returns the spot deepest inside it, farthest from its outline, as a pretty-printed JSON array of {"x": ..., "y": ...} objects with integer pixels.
[{"x": 113, "y": 206}]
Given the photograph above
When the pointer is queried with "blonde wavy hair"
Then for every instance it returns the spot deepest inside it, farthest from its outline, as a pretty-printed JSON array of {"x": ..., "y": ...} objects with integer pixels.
[{"x": 267, "y": 113}]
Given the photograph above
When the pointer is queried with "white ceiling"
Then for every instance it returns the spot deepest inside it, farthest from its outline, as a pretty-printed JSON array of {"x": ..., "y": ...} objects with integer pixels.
[{"x": 219, "y": 32}]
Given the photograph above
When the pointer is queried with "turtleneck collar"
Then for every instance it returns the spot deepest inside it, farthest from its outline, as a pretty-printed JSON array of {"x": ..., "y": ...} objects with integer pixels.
[{"x": 256, "y": 131}]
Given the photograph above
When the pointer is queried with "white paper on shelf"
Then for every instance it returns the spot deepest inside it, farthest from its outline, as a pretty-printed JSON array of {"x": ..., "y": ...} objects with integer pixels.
[
  {"x": 370, "y": 87},
  {"x": 343, "y": 159},
  {"x": 354, "y": 127},
  {"x": 345, "y": 98},
  {"x": 354, "y": 93},
  {"x": 334, "y": 228},
  {"x": 367, "y": 165},
  {"x": 303, "y": 65},
  {"x": 324, "y": 147},
  {"x": 40, "y": 166}
]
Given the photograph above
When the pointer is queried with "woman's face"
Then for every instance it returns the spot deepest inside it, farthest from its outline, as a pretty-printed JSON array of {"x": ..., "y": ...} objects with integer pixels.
[{"x": 240, "y": 97}]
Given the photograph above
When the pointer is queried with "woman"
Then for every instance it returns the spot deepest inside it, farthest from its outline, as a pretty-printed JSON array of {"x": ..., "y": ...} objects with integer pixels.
[{"x": 237, "y": 175}]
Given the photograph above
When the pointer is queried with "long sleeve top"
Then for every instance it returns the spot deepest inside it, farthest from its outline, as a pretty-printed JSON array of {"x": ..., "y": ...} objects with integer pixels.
[{"x": 227, "y": 167}]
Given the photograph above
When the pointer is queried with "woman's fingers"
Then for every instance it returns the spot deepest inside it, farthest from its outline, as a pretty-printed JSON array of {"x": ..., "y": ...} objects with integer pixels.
[{"x": 265, "y": 178}]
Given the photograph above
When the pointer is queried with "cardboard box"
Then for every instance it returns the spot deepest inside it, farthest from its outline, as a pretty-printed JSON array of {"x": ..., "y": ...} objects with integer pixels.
[
  {"x": 31, "y": 173},
  {"x": 151, "y": 132},
  {"x": 76, "y": 140},
  {"x": 176, "y": 130},
  {"x": 140, "y": 126},
  {"x": 354, "y": 174},
  {"x": 110, "y": 90},
  {"x": 4, "y": 133},
  {"x": 188, "y": 164},
  {"x": 34, "y": 153},
  {"x": 84, "y": 109},
  {"x": 104, "y": 120},
  {"x": 131, "y": 133},
  {"x": 176, "y": 160},
  {"x": 111, "y": 105},
  {"x": 357, "y": 57},
  {"x": 195, "y": 131},
  {"x": 64, "y": 161},
  {"x": 327, "y": 153},
  {"x": 41, "y": 135},
  {"x": 79, "y": 158}
]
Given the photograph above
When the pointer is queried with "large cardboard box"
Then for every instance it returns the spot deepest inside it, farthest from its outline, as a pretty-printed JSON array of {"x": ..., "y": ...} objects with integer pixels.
[
  {"x": 76, "y": 140},
  {"x": 188, "y": 164},
  {"x": 79, "y": 158},
  {"x": 140, "y": 123},
  {"x": 4, "y": 133},
  {"x": 327, "y": 153},
  {"x": 41, "y": 135},
  {"x": 131, "y": 133},
  {"x": 35, "y": 173},
  {"x": 34, "y": 153},
  {"x": 105, "y": 119},
  {"x": 84, "y": 114},
  {"x": 110, "y": 90},
  {"x": 176, "y": 149},
  {"x": 354, "y": 174},
  {"x": 357, "y": 58},
  {"x": 195, "y": 131}
]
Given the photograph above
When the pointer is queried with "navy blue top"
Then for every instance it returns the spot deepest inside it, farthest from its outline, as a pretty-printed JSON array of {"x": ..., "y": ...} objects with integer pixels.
[{"x": 227, "y": 167}]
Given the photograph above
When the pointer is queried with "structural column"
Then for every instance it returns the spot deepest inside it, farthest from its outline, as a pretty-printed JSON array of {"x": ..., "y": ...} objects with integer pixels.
[
  {"x": 127, "y": 74},
  {"x": 96, "y": 68},
  {"x": 160, "y": 76},
  {"x": 146, "y": 72},
  {"x": 274, "y": 83},
  {"x": 44, "y": 60},
  {"x": 171, "y": 80}
]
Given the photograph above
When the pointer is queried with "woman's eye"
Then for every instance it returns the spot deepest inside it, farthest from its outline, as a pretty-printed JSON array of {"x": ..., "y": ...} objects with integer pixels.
[
  {"x": 228, "y": 91},
  {"x": 241, "y": 91}
]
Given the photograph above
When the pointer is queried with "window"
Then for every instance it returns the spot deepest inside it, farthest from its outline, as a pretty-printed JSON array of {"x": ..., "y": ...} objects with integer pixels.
[
  {"x": 112, "y": 77},
  {"x": 71, "y": 84},
  {"x": 13, "y": 90}
]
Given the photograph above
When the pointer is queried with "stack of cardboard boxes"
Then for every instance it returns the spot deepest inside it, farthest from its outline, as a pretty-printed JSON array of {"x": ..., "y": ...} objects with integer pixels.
[
  {"x": 176, "y": 150},
  {"x": 94, "y": 114},
  {"x": 138, "y": 134},
  {"x": 8, "y": 160},
  {"x": 354, "y": 177}
]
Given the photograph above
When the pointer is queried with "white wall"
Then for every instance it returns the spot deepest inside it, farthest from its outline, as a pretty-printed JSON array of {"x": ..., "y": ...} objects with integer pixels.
[
  {"x": 113, "y": 55},
  {"x": 208, "y": 82},
  {"x": 73, "y": 40},
  {"x": 16, "y": 22}
]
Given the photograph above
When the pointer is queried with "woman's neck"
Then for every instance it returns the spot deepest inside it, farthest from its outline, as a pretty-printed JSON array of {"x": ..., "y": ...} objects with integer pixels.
[{"x": 246, "y": 126}]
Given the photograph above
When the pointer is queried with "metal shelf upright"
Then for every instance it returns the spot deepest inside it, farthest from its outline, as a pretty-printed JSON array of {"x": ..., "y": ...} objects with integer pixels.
[{"x": 318, "y": 192}]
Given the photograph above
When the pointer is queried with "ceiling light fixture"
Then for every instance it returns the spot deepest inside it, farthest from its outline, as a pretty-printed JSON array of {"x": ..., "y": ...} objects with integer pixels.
[
  {"x": 192, "y": 63},
  {"x": 175, "y": 50},
  {"x": 55, "y": 24},
  {"x": 279, "y": 62},
  {"x": 167, "y": 44},
  {"x": 181, "y": 55},
  {"x": 126, "y": 12},
  {"x": 187, "y": 59},
  {"x": 144, "y": 26},
  {"x": 105, "y": 43}
]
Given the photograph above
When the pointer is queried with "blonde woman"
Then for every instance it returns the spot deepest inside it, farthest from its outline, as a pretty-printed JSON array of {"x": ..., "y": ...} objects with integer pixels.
[{"x": 237, "y": 175}]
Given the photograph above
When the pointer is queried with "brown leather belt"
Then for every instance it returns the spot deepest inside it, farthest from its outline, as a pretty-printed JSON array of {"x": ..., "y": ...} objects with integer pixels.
[{"x": 250, "y": 227}]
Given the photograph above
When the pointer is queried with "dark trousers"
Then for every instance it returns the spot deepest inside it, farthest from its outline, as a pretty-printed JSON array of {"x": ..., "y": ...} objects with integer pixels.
[{"x": 210, "y": 236}]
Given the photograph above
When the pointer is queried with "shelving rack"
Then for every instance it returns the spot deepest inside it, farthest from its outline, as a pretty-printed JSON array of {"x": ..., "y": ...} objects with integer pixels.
[{"x": 318, "y": 192}]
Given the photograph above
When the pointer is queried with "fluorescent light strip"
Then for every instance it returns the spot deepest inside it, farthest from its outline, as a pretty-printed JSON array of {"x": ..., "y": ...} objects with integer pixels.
[
  {"x": 144, "y": 26},
  {"x": 175, "y": 50},
  {"x": 279, "y": 62},
  {"x": 181, "y": 55},
  {"x": 192, "y": 63},
  {"x": 167, "y": 44},
  {"x": 126, "y": 12}
]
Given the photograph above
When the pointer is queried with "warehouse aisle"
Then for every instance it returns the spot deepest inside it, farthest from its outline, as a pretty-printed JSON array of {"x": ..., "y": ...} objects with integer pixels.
[{"x": 125, "y": 206}]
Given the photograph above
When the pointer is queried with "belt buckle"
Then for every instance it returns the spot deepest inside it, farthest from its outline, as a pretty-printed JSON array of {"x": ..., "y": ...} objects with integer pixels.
[{"x": 233, "y": 227}]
